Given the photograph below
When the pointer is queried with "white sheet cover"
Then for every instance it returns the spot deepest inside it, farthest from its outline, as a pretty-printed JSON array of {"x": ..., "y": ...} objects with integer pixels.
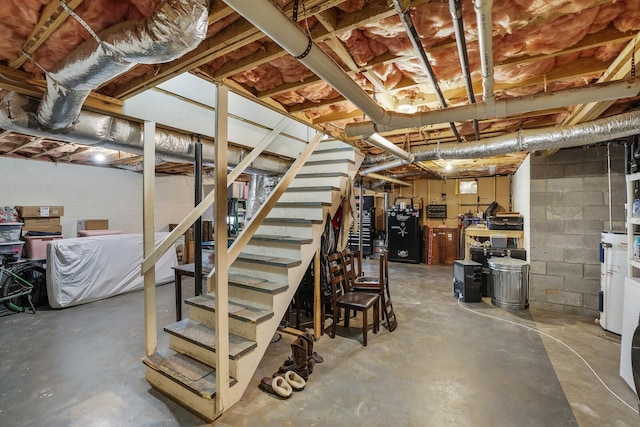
[{"x": 88, "y": 269}]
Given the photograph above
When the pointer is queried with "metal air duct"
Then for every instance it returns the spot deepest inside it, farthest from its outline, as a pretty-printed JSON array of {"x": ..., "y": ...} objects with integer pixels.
[
  {"x": 607, "y": 129},
  {"x": 177, "y": 27},
  {"x": 93, "y": 129}
]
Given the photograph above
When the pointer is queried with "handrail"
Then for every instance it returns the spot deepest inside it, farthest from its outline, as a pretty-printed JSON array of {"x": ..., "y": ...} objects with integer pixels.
[{"x": 151, "y": 259}]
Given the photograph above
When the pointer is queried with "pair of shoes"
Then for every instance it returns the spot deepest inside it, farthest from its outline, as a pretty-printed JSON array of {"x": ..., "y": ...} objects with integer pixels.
[
  {"x": 303, "y": 358},
  {"x": 283, "y": 386}
]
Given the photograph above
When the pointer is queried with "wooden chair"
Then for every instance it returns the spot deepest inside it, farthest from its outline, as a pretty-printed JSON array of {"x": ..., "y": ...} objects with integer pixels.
[
  {"x": 380, "y": 284},
  {"x": 343, "y": 298}
]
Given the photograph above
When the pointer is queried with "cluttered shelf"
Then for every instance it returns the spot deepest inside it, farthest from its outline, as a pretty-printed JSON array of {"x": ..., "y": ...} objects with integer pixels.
[{"x": 476, "y": 235}]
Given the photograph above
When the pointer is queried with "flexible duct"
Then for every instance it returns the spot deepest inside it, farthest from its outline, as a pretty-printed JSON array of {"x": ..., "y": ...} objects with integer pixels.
[
  {"x": 607, "y": 129},
  {"x": 177, "y": 27},
  {"x": 95, "y": 129}
]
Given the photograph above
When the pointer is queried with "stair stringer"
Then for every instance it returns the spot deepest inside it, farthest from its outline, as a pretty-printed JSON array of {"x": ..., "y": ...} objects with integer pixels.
[{"x": 265, "y": 330}]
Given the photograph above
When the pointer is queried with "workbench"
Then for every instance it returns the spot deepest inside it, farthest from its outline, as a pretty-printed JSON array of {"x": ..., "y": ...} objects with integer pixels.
[{"x": 475, "y": 234}]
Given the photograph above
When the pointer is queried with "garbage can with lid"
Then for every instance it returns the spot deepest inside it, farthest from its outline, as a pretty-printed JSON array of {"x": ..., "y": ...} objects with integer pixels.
[{"x": 510, "y": 278}]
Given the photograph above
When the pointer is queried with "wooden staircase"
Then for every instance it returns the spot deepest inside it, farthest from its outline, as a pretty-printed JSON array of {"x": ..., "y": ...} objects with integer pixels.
[{"x": 262, "y": 282}]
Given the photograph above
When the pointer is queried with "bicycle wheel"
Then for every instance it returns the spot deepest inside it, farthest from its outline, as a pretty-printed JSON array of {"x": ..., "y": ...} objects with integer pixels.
[{"x": 20, "y": 288}]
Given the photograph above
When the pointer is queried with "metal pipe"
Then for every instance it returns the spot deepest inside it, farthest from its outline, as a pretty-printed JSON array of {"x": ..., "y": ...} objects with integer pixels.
[
  {"x": 405, "y": 17},
  {"x": 455, "y": 8},
  {"x": 609, "y": 184},
  {"x": 197, "y": 226}
]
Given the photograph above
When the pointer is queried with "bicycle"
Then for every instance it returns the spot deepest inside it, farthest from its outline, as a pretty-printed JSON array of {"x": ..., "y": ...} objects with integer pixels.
[{"x": 18, "y": 279}]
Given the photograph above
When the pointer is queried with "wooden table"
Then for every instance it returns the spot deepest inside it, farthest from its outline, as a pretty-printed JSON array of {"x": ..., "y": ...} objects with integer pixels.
[
  {"x": 471, "y": 233},
  {"x": 188, "y": 270}
]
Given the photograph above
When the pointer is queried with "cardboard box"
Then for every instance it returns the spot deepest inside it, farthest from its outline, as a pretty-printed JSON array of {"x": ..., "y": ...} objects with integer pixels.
[
  {"x": 40, "y": 211},
  {"x": 237, "y": 190},
  {"x": 52, "y": 220},
  {"x": 93, "y": 224},
  {"x": 42, "y": 228}
]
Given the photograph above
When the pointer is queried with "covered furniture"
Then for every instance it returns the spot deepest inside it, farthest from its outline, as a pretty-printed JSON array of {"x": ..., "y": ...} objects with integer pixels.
[{"x": 88, "y": 269}]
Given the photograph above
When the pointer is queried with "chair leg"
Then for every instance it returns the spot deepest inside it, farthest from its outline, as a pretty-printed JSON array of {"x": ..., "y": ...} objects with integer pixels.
[
  {"x": 365, "y": 326},
  {"x": 376, "y": 318},
  {"x": 346, "y": 317}
]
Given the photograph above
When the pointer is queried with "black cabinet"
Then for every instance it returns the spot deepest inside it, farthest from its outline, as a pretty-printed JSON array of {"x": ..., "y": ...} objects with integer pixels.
[
  {"x": 403, "y": 230},
  {"x": 368, "y": 227}
]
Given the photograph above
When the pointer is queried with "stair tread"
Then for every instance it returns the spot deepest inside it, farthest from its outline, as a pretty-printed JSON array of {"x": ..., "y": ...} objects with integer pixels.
[
  {"x": 293, "y": 189},
  {"x": 320, "y": 149},
  {"x": 204, "y": 336},
  {"x": 292, "y": 220},
  {"x": 328, "y": 162},
  {"x": 262, "y": 285},
  {"x": 194, "y": 375},
  {"x": 322, "y": 175},
  {"x": 301, "y": 204},
  {"x": 282, "y": 239},
  {"x": 238, "y": 308},
  {"x": 268, "y": 259}
]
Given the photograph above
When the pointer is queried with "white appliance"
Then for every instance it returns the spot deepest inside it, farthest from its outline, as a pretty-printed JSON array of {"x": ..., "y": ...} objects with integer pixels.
[
  {"x": 613, "y": 270},
  {"x": 631, "y": 312}
]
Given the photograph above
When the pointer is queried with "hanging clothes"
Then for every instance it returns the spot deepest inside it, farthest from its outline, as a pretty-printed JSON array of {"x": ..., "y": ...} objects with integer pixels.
[{"x": 347, "y": 210}]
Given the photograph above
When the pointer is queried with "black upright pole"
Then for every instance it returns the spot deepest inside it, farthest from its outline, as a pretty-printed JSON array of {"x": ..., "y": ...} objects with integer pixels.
[{"x": 197, "y": 226}]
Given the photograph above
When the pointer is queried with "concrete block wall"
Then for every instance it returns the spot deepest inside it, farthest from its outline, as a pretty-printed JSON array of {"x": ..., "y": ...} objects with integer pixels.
[
  {"x": 569, "y": 210},
  {"x": 88, "y": 192}
]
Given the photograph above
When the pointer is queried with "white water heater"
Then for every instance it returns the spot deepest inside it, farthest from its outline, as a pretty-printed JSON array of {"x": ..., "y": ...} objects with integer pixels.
[{"x": 613, "y": 270}]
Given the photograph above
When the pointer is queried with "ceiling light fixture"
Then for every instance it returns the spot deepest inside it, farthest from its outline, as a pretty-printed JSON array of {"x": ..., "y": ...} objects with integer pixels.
[
  {"x": 405, "y": 105},
  {"x": 448, "y": 167},
  {"x": 99, "y": 157}
]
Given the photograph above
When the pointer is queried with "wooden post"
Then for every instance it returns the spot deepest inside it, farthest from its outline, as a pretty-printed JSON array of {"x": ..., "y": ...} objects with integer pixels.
[
  {"x": 221, "y": 271},
  {"x": 149, "y": 193},
  {"x": 317, "y": 294}
]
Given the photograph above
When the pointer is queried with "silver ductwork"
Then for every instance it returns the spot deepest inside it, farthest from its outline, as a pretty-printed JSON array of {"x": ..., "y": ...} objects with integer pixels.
[
  {"x": 177, "y": 27},
  {"x": 607, "y": 129},
  {"x": 93, "y": 129}
]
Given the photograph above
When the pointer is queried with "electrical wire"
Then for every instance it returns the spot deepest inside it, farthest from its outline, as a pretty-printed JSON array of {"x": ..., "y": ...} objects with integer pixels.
[{"x": 531, "y": 328}]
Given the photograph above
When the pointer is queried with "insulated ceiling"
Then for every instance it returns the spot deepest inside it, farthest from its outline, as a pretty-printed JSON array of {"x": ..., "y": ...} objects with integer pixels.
[{"x": 536, "y": 48}]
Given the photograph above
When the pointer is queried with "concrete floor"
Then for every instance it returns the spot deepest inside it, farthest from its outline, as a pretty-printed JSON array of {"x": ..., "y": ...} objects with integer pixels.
[{"x": 443, "y": 366}]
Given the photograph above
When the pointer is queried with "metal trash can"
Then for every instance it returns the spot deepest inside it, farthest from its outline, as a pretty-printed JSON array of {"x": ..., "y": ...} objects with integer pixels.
[{"x": 510, "y": 279}]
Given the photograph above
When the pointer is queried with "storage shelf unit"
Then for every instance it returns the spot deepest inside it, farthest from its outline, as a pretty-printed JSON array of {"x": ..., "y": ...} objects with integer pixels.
[
  {"x": 630, "y": 310},
  {"x": 368, "y": 228}
]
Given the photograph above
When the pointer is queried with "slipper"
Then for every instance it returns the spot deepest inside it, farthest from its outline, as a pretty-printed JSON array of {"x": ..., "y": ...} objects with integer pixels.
[
  {"x": 296, "y": 382},
  {"x": 278, "y": 386}
]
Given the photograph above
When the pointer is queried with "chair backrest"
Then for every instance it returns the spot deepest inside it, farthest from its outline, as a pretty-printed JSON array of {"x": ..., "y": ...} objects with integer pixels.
[
  {"x": 348, "y": 261},
  {"x": 338, "y": 279}
]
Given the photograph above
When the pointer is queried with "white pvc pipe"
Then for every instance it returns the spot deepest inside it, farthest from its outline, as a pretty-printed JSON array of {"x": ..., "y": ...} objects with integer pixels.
[
  {"x": 503, "y": 107},
  {"x": 383, "y": 143},
  {"x": 485, "y": 41}
]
